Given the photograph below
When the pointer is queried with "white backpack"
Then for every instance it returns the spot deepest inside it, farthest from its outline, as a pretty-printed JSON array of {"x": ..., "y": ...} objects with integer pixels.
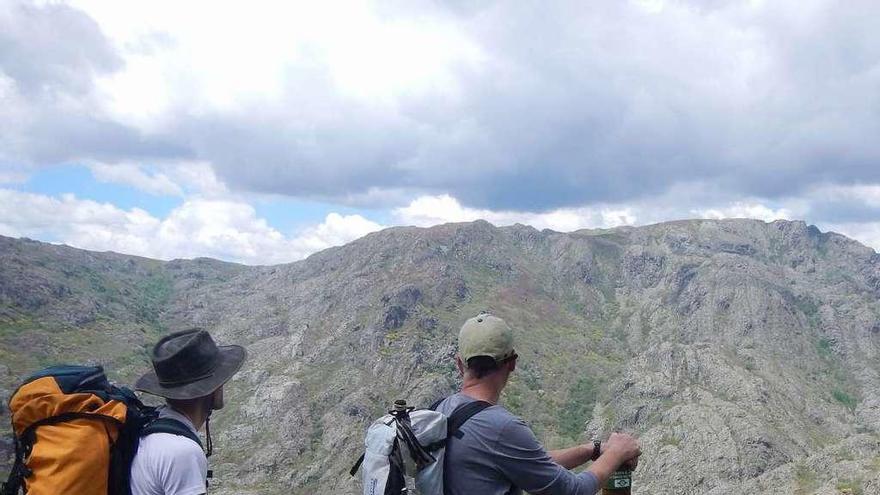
[{"x": 410, "y": 443}]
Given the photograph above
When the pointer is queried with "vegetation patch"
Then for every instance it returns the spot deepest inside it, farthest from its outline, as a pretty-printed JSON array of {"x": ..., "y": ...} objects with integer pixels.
[
  {"x": 513, "y": 398},
  {"x": 850, "y": 487},
  {"x": 807, "y": 306},
  {"x": 825, "y": 347},
  {"x": 805, "y": 480},
  {"x": 844, "y": 398},
  {"x": 581, "y": 400},
  {"x": 670, "y": 440},
  {"x": 155, "y": 292}
]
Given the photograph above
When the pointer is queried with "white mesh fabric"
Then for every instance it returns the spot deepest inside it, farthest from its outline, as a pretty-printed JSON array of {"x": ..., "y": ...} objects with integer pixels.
[
  {"x": 429, "y": 427},
  {"x": 377, "y": 466}
]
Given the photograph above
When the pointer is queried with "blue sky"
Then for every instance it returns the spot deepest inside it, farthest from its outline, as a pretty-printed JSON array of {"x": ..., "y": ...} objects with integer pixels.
[
  {"x": 127, "y": 127},
  {"x": 284, "y": 213},
  {"x": 78, "y": 180}
]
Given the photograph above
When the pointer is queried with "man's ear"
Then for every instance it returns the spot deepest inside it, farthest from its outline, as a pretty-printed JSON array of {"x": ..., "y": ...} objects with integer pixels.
[
  {"x": 217, "y": 399},
  {"x": 459, "y": 365}
]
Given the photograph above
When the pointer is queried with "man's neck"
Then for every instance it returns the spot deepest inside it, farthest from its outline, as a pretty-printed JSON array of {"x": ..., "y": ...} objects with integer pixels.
[
  {"x": 197, "y": 417},
  {"x": 485, "y": 390}
]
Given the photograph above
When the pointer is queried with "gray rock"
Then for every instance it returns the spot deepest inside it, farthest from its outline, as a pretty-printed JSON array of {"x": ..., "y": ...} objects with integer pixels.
[{"x": 744, "y": 354}]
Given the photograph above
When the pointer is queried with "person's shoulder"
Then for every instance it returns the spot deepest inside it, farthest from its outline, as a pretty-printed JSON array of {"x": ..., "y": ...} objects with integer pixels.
[
  {"x": 504, "y": 418},
  {"x": 500, "y": 411},
  {"x": 169, "y": 445},
  {"x": 495, "y": 417}
]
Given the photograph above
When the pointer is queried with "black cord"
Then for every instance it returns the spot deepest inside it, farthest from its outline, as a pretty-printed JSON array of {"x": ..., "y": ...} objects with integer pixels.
[{"x": 209, "y": 449}]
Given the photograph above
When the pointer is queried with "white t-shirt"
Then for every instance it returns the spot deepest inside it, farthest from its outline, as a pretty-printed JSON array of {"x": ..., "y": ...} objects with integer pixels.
[{"x": 168, "y": 464}]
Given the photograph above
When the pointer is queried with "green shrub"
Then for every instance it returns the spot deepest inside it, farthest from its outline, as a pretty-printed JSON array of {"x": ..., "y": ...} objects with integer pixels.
[
  {"x": 805, "y": 480},
  {"x": 844, "y": 398},
  {"x": 579, "y": 408},
  {"x": 850, "y": 487}
]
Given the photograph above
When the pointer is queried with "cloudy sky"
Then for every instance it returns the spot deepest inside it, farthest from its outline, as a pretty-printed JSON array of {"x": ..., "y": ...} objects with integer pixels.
[{"x": 261, "y": 132}]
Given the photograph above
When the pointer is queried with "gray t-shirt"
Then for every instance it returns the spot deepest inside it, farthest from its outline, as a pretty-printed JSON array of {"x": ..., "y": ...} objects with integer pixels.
[{"x": 499, "y": 455}]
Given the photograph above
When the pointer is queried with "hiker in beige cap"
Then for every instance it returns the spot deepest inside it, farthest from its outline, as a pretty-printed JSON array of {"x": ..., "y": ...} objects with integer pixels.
[{"x": 495, "y": 453}]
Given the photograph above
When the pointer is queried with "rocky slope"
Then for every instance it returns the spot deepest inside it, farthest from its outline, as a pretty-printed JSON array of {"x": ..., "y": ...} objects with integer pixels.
[{"x": 745, "y": 354}]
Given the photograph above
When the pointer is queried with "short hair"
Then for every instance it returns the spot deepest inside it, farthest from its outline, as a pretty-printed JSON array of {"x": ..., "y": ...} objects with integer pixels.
[
  {"x": 481, "y": 366},
  {"x": 182, "y": 404},
  {"x": 188, "y": 404}
]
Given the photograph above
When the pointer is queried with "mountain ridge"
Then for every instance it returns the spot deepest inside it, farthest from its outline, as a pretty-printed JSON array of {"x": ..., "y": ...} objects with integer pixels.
[{"x": 685, "y": 331}]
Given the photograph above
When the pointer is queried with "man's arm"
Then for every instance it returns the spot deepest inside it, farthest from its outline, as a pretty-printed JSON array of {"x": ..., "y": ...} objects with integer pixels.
[
  {"x": 618, "y": 450},
  {"x": 520, "y": 458},
  {"x": 572, "y": 457}
]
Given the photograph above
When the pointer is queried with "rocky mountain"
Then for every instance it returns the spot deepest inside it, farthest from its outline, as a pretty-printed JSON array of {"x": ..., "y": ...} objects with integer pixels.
[{"x": 746, "y": 355}]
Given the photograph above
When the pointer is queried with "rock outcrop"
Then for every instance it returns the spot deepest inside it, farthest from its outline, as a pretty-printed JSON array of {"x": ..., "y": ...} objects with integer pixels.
[{"x": 743, "y": 353}]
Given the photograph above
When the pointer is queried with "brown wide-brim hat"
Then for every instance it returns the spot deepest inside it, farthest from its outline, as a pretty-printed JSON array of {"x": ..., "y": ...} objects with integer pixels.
[{"x": 189, "y": 365}]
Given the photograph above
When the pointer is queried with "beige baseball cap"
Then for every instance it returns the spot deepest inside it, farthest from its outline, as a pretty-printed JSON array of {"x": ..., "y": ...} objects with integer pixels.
[{"x": 485, "y": 335}]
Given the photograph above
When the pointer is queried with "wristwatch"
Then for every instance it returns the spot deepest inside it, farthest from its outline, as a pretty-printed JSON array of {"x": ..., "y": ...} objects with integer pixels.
[{"x": 597, "y": 450}]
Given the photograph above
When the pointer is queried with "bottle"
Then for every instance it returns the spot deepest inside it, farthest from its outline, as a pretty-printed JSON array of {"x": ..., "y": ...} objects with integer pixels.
[{"x": 620, "y": 483}]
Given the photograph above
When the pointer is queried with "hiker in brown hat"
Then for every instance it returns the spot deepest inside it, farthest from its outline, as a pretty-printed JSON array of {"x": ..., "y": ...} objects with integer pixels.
[
  {"x": 189, "y": 370},
  {"x": 496, "y": 453}
]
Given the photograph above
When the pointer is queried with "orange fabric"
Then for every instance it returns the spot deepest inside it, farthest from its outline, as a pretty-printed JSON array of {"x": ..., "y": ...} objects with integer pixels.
[
  {"x": 42, "y": 398},
  {"x": 71, "y": 457}
]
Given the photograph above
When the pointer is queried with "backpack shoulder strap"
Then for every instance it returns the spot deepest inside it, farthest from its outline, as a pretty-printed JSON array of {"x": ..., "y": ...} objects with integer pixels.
[
  {"x": 461, "y": 415},
  {"x": 437, "y": 403},
  {"x": 168, "y": 425}
]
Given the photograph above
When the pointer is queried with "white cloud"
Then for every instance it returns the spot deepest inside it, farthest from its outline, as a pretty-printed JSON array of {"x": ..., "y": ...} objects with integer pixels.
[
  {"x": 650, "y": 6},
  {"x": 868, "y": 233},
  {"x": 12, "y": 177},
  {"x": 198, "y": 178},
  {"x": 87, "y": 224},
  {"x": 164, "y": 179},
  {"x": 230, "y": 229},
  {"x": 432, "y": 210},
  {"x": 604, "y": 104},
  {"x": 745, "y": 210},
  {"x": 131, "y": 174},
  {"x": 223, "y": 229},
  {"x": 172, "y": 61},
  {"x": 868, "y": 194},
  {"x": 335, "y": 230}
]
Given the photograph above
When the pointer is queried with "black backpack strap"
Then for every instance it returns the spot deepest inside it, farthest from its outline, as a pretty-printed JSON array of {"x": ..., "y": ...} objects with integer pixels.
[
  {"x": 436, "y": 404},
  {"x": 168, "y": 425},
  {"x": 175, "y": 427},
  {"x": 357, "y": 465},
  {"x": 454, "y": 422},
  {"x": 461, "y": 415},
  {"x": 18, "y": 473}
]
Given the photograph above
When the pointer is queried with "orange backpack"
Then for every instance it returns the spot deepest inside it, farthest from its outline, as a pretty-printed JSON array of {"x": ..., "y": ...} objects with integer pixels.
[{"x": 75, "y": 433}]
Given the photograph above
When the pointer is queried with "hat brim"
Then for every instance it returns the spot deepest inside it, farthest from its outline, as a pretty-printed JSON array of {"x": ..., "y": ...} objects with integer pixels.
[{"x": 230, "y": 361}]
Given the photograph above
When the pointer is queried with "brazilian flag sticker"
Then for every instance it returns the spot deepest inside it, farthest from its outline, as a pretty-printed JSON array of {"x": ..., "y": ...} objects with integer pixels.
[{"x": 619, "y": 479}]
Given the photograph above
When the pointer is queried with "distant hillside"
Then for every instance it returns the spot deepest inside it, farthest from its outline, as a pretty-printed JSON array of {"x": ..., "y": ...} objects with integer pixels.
[{"x": 744, "y": 353}]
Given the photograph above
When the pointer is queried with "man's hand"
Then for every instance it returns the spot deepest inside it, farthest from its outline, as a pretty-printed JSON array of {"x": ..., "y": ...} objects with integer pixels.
[
  {"x": 619, "y": 450},
  {"x": 623, "y": 448}
]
